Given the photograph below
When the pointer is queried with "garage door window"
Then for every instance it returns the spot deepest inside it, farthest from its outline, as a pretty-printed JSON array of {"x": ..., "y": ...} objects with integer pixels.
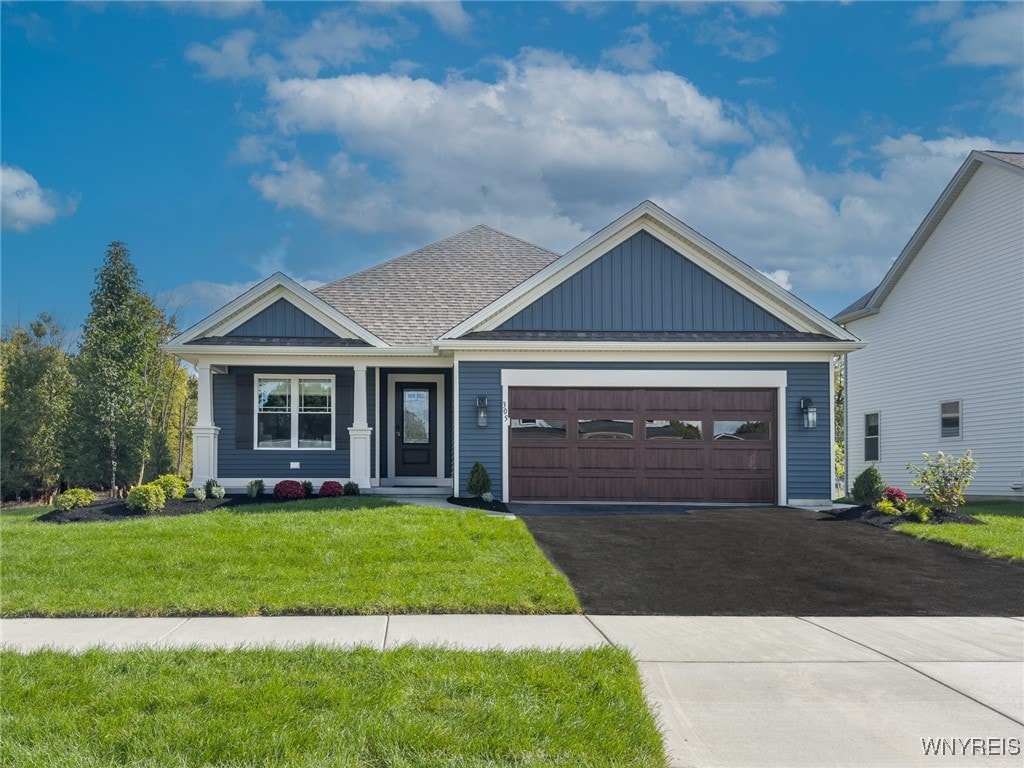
[
  {"x": 604, "y": 429},
  {"x": 743, "y": 430},
  {"x": 672, "y": 429},
  {"x": 537, "y": 428}
]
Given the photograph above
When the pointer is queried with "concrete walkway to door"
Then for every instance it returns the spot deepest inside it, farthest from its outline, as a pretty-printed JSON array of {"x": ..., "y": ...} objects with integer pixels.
[{"x": 727, "y": 691}]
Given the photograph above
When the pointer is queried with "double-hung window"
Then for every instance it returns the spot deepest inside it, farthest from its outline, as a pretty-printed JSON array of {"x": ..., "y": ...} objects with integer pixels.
[
  {"x": 872, "y": 435},
  {"x": 949, "y": 419},
  {"x": 295, "y": 412}
]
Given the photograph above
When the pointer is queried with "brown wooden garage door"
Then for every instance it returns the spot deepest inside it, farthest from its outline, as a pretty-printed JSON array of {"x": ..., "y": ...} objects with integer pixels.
[{"x": 701, "y": 445}]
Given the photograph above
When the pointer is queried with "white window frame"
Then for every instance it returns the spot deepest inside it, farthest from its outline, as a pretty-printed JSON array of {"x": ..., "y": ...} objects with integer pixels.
[
  {"x": 293, "y": 378},
  {"x": 877, "y": 438},
  {"x": 959, "y": 420}
]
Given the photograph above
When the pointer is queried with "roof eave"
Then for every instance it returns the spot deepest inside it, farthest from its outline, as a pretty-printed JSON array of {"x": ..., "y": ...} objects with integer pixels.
[{"x": 838, "y": 346}]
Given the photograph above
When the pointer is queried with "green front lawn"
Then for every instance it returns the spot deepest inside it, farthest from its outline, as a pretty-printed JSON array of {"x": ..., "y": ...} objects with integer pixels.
[
  {"x": 1001, "y": 536},
  {"x": 329, "y": 556},
  {"x": 412, "y": 707}
]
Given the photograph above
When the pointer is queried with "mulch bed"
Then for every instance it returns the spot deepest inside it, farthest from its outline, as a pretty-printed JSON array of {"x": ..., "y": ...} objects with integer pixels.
[
  {"x": 869, "y": 516},
  {"x": 117, "y": 509},
  {"x": 477, "y": 503}
]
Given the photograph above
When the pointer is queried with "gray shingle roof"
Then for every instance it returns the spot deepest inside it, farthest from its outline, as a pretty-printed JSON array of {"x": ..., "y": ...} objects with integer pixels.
[
  {"x": 1016, "y": 158},
  {"x": 857, "y": 306},
  {"x": 412, "y": 300}
]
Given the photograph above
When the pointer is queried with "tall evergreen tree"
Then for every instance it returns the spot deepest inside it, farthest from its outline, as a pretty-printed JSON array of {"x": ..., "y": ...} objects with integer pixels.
[
  {"x": 35, "y": 394},
  {"x": 116, "y": 370}
]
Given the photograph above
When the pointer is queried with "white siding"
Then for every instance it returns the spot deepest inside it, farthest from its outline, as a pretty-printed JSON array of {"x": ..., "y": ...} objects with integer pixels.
[{"x": 951, "y": 329}]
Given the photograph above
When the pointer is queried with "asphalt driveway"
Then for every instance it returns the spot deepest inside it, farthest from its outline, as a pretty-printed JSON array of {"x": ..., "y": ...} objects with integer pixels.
[{"x": 762, "y": 562}]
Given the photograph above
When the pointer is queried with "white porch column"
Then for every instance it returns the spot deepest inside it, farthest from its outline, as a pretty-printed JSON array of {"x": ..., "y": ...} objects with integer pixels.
[
  {"x": 204, "y": 433},
  {"x": 360, "y": 431}
]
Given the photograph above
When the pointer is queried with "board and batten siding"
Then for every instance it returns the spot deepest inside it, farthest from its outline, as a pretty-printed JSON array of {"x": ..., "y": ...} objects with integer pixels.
[
  {"x": 808, "y": 451},
  {"x": 247, "y": 462},
  {"x": 643, "y": 285},
  {"x": 282, "y": 319},
  {"x": 951, "y": 329}
]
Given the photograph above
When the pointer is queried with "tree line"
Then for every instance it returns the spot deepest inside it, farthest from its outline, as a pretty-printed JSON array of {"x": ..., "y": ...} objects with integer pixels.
[{"x": 109, "y": 416}]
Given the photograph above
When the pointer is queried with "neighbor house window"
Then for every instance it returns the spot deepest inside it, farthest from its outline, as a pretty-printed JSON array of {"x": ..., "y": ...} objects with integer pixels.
[
  {"x": 295, "y": 412},
  {"x": 871, "y": 436},
  {"x": 949, "y": 418}
]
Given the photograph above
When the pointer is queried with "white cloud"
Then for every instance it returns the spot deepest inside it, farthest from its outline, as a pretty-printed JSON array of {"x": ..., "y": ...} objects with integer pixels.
[
  {"x": 24, "y": 204},
  {"x": 220, "y": 9},
  {"x": 992, "y": 37},
  {"x": 233, "y": 58},
  {"x": 332, "y": 39},
  {"x": 735, "y": 40},
  {"x": 636, "y": 51},
  {"x": 450, "y": 16},
  {"x": 780, "y": 277},
  {"x": 548, "y": 139}
]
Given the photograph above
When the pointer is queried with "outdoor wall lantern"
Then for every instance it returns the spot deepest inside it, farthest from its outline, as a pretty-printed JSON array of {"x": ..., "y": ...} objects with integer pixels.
[
  {"x": 810, "y": 413},
  {"x": 481, "y": 411}
]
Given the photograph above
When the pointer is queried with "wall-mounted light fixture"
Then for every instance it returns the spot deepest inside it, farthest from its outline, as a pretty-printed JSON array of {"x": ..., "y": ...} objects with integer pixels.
[
  {"x": 810, "y": 413},
  {"x": 481, "y": 411}
]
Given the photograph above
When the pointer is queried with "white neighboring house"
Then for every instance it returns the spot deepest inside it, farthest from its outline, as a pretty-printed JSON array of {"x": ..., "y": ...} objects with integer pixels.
[{"x": 943, "y": 369}]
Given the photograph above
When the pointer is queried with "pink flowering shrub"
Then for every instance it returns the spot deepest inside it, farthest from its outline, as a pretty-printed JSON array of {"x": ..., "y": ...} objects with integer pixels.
[
  {"x": 331, "y": 488},
  {"x": 289, "y": 489}
]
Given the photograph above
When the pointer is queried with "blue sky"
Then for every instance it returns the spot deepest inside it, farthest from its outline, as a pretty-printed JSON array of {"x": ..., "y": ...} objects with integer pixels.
[{"x": 225, "y": 141}]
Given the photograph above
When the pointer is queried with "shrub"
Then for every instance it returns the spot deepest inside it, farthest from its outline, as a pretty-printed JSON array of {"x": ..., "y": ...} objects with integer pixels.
[
  {"x": 886, "y": 507},
  {"x": 210, "y": 485},
  {"x": 307, "y": 488},
  {"x": 74, "y": 497},
  {"x": 218, "y": 491},
  {"x": 896, "y": 496},
  {"x": 868, "y": 487},
  {"x": 479, "y": 481},
  {"x": 331, "y": 488},
  {"x": 944, "y": 479},
  {"x": 288, "y": 489},
  {"x": 488, "y": 497},
  {"x": 351, "y": 488},
  {"x": 917, "y": 511},
  {"x": 199, "y": 492},
  {"x": 173, "y": 486},
  {"x": 255, "y": 488},
  {"x": 148, "y": 498}
]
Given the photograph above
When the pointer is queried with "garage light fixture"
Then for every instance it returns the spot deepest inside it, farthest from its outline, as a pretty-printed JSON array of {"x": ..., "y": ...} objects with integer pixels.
[
  {"x": 481, "y": 411},
  {"x": 810, "y": 413}
]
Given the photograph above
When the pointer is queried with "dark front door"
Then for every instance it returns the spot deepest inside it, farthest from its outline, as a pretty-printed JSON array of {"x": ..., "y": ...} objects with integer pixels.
[{"x": 415, "y": 429}]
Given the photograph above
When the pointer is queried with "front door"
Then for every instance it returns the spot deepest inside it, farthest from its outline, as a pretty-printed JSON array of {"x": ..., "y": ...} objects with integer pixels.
[{"x": 415, "y": 429}]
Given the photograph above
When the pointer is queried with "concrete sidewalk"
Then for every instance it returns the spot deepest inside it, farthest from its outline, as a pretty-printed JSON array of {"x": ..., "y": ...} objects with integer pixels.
[{"x": 727, "y": 691}]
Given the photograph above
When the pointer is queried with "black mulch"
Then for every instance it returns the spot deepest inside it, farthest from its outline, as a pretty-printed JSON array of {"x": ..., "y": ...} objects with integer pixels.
[
  {"x": 117, "y": 509},
  {"x": 477, "y": 503},
  {"x": 768, "y": 562},
  {"x": 865, "y": 514}
]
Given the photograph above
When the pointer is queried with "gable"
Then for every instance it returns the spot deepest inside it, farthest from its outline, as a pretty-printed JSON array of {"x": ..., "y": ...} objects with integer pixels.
[
  {"x": 282, "y": 319},
  {"x": 643, "y": 285}
]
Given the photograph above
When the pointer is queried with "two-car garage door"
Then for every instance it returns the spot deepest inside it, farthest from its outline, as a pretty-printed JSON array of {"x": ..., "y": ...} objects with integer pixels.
[{"x": 590, "y": 443}]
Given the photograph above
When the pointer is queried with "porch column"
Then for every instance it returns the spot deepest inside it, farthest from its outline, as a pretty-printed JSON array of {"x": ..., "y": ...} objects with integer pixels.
[
  {"x": 360, "y": 431},
  {"x": 204, "y": 433}
]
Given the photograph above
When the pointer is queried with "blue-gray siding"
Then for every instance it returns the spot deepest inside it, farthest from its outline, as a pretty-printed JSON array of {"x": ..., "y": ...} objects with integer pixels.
[
  {"x": 282, "y": 319},
  {"x": 808, "y": 453},
  {"x": 233, "y": 461},
  {"x": 643, "y": 285}
]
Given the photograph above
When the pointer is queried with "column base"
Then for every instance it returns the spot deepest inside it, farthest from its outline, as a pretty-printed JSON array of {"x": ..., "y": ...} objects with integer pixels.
[{"x": 359, "y": 455}]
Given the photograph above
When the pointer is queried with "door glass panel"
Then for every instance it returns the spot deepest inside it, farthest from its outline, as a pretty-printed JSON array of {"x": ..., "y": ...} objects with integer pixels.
[
  {"x": 543, "y": 428},
  {"x": 416, "y": 416},
  {"x": 743, "y": 430},
  {"x": 672, "y": 429},
  {"x": 604, "y": 429}
]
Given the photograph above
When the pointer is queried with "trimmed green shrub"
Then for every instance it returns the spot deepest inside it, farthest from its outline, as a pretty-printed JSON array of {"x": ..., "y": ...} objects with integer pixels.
[
  {"x": 886, "y": 507},
  {"x": 255, "y": 488},
  {"x": 479, "y": 481},
  {"x": 147, "y": 498},
  {"x": 173, "y": 486},
  {"x": 944, "y": 479},
  {"x": 868, "y": 487},
  {"x": 307, "y": 488},
  {"x": 351, "y": 488},
  {"x": 210, "y": 485},
  {"x": 200, "y": 493},
  {"x": 73, "y": 498}
]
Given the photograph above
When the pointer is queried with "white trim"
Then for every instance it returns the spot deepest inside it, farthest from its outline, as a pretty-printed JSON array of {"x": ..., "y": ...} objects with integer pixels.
[
  {"x": 239, "y": 355},
  {"x": 643, "y": 356},
  {"x": 651, "y": 346},
  {"x": 261, "y": 296},
  {"x": 456, "y": 439},
  {"x": 649, "y": 217},
  {"x": 376, "y": 424},
  {"x": 294, "y": 412},
  {"x": 522, "y": 377},
  {"x": 435, "y": 378}
]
